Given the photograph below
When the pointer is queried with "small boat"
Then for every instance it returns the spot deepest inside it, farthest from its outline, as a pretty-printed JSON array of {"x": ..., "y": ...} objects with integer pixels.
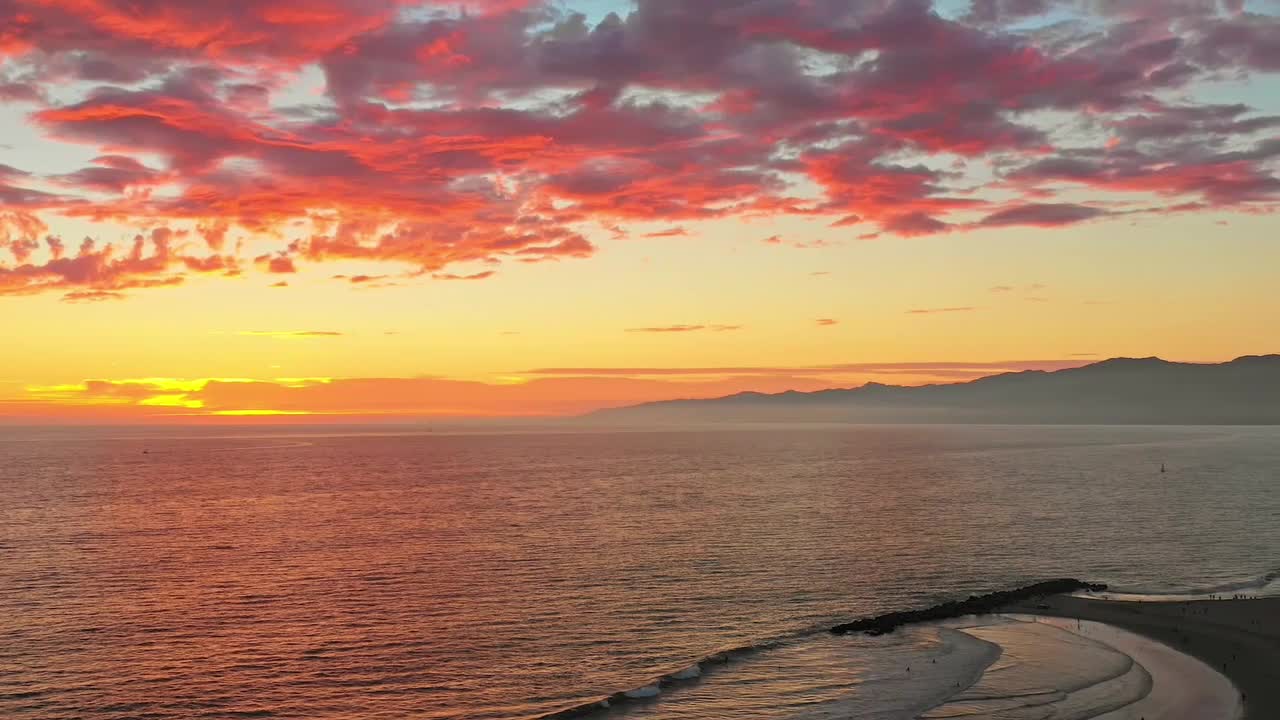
[{"x": 1161, "y": 467}]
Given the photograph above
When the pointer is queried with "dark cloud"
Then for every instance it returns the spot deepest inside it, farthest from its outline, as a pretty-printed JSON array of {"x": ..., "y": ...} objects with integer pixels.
[
  {"x": 1042, "y": 215},
  {"x": 669, "y": 232}
]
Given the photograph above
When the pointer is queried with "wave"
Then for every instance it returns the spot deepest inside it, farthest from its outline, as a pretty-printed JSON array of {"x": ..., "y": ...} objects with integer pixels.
[
  {"x": 655, "y": 687},
  {"x": 877, "y": 625},
  {"x": 686, "y": 675}
]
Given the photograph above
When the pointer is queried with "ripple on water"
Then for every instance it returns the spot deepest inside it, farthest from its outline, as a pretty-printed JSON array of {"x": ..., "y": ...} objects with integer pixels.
[{"x": 505, "y": 576}]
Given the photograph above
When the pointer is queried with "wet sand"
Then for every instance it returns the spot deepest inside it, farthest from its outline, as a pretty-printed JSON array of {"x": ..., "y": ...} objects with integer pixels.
[{"x": 1239, "y": 638}]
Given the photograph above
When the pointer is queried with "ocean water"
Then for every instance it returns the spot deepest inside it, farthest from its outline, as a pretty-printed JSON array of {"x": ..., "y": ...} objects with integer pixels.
[{"x": 346, "y": 573}]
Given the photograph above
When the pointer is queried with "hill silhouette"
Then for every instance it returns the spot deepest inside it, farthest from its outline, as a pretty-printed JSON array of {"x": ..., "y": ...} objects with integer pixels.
[{"x": 1145, "y": 391}]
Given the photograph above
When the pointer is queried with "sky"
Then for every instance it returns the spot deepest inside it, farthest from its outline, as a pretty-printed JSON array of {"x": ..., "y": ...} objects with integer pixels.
[{"x": 345, "y": 210}]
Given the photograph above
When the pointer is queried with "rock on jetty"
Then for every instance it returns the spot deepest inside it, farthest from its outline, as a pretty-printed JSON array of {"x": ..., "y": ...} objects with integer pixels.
[{"x": 975, "y": 605}]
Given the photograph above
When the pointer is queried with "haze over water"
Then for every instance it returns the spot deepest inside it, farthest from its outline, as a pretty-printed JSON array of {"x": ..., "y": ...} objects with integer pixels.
[{"x": 185, "y": 573}]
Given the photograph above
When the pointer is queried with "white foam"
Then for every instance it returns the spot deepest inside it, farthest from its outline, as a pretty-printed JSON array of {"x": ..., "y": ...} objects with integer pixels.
[{"x": 647, "y": 691}]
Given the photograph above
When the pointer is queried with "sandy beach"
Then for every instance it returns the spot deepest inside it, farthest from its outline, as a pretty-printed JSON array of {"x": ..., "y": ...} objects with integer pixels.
[{"x": 1239, "y": 638}]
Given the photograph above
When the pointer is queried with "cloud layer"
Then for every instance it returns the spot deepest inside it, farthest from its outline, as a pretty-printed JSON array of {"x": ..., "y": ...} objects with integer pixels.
[
  {"x": 446, "y": 139},
  {"x": 539, "y": 392}
]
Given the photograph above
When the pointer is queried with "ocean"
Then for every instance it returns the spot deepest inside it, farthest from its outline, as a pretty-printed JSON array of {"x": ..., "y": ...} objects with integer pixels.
[{"x": 379, "y": 573}]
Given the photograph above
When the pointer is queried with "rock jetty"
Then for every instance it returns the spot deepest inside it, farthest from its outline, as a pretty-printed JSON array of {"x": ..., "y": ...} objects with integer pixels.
[{"x": 975, "y": 605}]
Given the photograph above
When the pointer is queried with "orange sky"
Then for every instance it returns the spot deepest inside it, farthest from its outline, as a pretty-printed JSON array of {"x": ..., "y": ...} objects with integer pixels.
[{"x": 389, "y": 210}]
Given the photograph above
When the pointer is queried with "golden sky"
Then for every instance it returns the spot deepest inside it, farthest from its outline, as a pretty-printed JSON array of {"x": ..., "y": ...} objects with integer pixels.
[{"x": 376, "y": 211}]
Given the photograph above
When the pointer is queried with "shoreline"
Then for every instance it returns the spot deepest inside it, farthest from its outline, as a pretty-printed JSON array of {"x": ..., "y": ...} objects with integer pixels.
[{"x": 1238, "y": 638}]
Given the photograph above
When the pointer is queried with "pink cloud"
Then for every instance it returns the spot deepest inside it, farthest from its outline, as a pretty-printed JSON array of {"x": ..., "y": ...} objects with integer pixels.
[{"x": 446, "y": 139}]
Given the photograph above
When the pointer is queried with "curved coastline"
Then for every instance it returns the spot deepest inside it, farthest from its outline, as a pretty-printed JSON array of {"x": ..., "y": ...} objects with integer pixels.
[
  {"x": 877, "y": 625},
  {"x": 1048, "y": 670},
  {"x": 1184, "y": 645},
  {"x": 1238, "y": 638},
  {"x": 1182, "y": 687}
]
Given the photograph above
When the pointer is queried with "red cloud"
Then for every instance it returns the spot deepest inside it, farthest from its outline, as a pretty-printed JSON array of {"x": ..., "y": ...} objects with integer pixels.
[
  {"x": 448, "y": 134},
  {"x": 93, "y": 269},
  {"x": 276, "y": 264},
  {"x": 237, "y": 31}
]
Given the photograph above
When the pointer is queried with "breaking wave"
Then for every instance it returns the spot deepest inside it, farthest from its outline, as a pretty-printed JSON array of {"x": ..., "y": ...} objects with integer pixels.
[{"x": 689, "y": 674}]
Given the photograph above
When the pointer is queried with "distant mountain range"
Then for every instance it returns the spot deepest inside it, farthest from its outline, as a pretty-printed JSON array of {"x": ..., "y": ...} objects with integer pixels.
[{"x": 1135, "y": 391}]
